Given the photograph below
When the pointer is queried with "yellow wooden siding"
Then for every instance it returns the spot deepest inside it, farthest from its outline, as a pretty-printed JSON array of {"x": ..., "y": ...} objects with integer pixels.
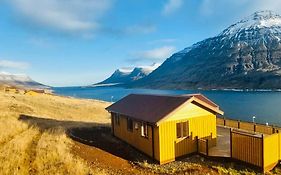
[
  {"x": 167, "y": 137},
  {"x": 247, "y": 148},
  {"x": 189, "y": 110},
  {"x": 279, "y": 145},
  {"x": 271, "y": 151},
  {"x": 134, "y": 138},
  {"x": 171, "y": 147},
  {"x": 203, "y": 126}
]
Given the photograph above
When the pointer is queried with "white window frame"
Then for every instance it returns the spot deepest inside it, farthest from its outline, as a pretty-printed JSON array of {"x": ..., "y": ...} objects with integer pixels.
[
  {"x": 144, "y": 130},
  {"x": 182, "y": 133}
]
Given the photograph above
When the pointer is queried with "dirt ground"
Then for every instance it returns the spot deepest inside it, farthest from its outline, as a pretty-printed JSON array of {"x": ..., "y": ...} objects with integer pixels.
[{"x": 98, "y": 147}]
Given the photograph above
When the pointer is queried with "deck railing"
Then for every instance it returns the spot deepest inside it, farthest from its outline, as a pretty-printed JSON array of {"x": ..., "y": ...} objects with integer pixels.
[
  {"x": 247, "y": 148},
  {"x": 256, "y": 149},
  {"x": 248, "y": 126}
]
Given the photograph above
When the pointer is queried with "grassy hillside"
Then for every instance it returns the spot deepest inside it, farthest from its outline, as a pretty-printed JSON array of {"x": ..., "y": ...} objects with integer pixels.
[
  {"x": 33, "y": 140},
  {"x": 30, "y": 145}
]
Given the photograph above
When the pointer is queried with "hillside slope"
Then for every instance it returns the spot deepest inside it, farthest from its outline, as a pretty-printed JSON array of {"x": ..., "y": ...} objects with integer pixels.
[
  {"x": 20, "y": 80},
  {"x": 126, "y": 76},
  {"x": 246, "y": 55}
]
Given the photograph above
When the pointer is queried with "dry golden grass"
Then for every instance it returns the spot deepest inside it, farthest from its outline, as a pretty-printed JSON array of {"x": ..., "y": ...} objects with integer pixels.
[
  {"x": 38, "y": 144},
  {"x": 54, "y": 156}
]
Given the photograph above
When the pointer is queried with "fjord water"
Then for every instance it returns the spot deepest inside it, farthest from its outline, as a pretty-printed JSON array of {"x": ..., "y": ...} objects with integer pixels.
[{"x": 242, "y": 105}]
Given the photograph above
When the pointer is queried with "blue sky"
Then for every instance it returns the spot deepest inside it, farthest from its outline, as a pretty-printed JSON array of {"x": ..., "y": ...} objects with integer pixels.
[{"x": 80, "y": 42}]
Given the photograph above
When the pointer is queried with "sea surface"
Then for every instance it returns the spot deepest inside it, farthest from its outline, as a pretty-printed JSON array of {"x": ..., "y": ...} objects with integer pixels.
[{"x": 242, "y": 105}]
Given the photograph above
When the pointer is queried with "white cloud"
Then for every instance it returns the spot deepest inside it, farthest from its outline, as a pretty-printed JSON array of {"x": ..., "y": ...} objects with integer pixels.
[
  {"x": 274, "y": 5},
  {"x": 171, "y": 6},
  {"x": 160, "y": 53},
  {"x": 63, "y": 15},
  {"x": 13, "y": 64},
  {"x": 140, "y": 29},
  {"x": 239, "y": 7}
]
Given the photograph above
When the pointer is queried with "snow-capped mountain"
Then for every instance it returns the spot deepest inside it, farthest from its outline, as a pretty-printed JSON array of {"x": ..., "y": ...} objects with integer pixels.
[
  {"x": 246, "y": 55},
  {"x": 19, "y": 80},
  {"x": 128, "y": 75}
]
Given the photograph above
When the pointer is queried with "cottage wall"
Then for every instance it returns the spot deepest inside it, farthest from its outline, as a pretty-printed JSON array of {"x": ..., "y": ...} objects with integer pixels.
[
  {"x": 201, "y": 124},
  {"x": 134, "y": 137},
  {"x": 167, "y": 147}
]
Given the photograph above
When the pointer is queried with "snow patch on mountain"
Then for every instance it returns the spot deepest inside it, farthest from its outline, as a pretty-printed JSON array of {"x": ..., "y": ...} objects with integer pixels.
[
  {"x": 127, "y": 75},
  {"x": 125, "y": 70},
  {"x": 247, "y": 54},
  {"x": 261, "y": 19}
]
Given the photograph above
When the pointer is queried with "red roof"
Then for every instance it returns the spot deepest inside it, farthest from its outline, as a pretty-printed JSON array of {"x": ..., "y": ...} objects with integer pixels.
[{"x": 152, "y": 108}]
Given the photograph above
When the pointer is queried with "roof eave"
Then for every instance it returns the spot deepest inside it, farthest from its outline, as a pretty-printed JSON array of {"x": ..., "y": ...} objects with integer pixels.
[{"x": 214, "y": 109}]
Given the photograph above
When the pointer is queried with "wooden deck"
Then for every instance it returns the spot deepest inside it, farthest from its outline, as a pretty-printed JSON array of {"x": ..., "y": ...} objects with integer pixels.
[{"x": 222, "y": 149}]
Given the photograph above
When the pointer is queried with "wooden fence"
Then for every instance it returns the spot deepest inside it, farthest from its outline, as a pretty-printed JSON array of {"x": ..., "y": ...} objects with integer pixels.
[
  {"x": 203, "y": 146},
  {"x": 248, "y": 126},
  {"x": 247, "y": 148},
  {"x": 259, "y": 150}
]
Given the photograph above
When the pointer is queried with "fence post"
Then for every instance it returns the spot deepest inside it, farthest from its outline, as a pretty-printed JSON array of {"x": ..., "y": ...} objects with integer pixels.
[
  {"x": 230, "y": 142},
  {"x": 197, "y": 144},
  {"x": 254, "y": 127},
  {"x": 238, "y": 124},
  {"x": 262, "y": 146},
  {"x": 224, "y": 121},
  {"x": 207, "y": 147}
]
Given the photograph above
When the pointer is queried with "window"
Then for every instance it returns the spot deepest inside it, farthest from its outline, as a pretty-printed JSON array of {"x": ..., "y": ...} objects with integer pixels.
[
  {"x": 117, "y": 119},
  {"x": 182, "y": 129},
  {"x": 144, "y": 130},
  {"x": 136, "y": 126},
  {"x": 129, "y": 124}
]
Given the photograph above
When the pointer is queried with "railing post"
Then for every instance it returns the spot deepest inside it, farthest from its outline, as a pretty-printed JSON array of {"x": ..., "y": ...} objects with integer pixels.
[
  {"x": 255, "y": 127},
  {"x": 224, "y": 121},
  {"x": 238, "y": 124},
  {"x": 207, "y": 147},
  {"x": 197, "y": 144},
  {"x": 230, "y": 142},
  {"x": 262, "y": 153}
]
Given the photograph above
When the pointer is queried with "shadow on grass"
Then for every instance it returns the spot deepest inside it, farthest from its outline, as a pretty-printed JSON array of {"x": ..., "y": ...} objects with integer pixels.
[{"x": 89, "y": 133}]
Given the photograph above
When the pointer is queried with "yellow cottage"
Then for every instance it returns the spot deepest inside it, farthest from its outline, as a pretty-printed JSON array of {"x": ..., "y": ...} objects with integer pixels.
[{"x": 164, "y": 127}]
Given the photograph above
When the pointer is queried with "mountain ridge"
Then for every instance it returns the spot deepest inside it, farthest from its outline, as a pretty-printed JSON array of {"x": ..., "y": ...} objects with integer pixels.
[
  {"x": 246, "y": 55},
  {"x": 128, "y": 75},
  {"x": 20, "y": 80}
]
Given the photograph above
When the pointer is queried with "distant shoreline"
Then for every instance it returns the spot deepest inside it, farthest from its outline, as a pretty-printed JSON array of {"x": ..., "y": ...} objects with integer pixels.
[{"x": 119, "y": 85}]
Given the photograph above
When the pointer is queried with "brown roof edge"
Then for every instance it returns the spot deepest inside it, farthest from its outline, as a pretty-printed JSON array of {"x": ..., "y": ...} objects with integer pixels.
[
  {"x": 215, "y": 109},
  {"x": 205, "y": 99},
  {"x": 124, "y": 115}
]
